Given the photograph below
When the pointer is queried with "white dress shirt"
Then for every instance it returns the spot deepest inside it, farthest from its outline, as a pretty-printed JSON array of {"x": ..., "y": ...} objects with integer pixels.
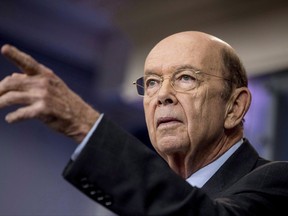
[
  {"x": 200, "y": 177},
  {"x": 85, "y": 140}
]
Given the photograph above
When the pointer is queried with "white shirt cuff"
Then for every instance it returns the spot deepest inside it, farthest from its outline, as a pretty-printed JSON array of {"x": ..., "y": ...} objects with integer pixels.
[{"x": 85, "y": 140}]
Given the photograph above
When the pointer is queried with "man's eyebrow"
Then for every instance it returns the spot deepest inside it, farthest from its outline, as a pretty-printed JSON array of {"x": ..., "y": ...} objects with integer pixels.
[
  {"x": 176, "y": 68},
  {"x": 151, "y": 72}
]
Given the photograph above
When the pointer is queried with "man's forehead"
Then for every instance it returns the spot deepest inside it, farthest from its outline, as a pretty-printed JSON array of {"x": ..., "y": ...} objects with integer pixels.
[
  {"x": 188, "y": 40},
  {"x": 198, "y": 49},
  {"x": 171, "y": 53}
]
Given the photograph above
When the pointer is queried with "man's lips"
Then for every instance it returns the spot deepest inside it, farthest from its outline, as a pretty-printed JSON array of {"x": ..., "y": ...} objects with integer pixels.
[{"x": 164, "y": 120}]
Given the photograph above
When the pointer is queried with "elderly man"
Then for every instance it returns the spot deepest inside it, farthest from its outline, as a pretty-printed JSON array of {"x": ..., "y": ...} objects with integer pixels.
[{"x": 195, "y": 98}]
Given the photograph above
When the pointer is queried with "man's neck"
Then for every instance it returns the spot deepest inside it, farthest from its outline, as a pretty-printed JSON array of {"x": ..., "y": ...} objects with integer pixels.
[{"x": 187, "y": 164}]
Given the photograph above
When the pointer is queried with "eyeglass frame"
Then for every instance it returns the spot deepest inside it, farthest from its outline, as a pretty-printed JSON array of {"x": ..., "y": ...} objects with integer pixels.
[{"x": 141, "y": 88}]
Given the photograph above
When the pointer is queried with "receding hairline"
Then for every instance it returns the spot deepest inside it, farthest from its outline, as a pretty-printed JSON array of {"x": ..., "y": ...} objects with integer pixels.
[
  {"x": 196, "y": 35},
  {"x": 202, "y": 38}
]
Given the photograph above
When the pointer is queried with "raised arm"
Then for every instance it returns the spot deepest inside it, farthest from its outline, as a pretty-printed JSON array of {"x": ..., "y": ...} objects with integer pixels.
[{"x": 41, "y": 94}]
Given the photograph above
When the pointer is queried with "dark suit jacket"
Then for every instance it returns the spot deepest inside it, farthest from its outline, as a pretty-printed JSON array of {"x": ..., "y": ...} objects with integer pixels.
[{"x": 121, "y": 173}]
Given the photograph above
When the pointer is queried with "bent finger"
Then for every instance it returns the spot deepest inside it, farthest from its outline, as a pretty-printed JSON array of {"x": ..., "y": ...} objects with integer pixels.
[
  {"x": 22, "y": 60},
  {"x": 15, "y": 98},
  {"x": 12, "y": 82},
  {"x": 22, "y": 113}
]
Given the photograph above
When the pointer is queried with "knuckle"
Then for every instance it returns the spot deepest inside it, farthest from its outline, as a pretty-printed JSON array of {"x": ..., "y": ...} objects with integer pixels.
[
  {"x": 44, "y": 97},
  {"x": 42, "y": 82},
  {"x": 6, "y": 82},
  {"x": 7, "y": 79},
  {"x": 14, "y": 75},
  {"x": 42, "y": 107}
]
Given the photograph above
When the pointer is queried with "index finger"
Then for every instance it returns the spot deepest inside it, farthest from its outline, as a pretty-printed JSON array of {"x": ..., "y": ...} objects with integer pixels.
[{"x": 22, "y": 60}]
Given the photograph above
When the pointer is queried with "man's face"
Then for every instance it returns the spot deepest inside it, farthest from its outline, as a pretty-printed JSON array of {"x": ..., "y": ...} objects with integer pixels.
[{"x": 191, "y": 121}]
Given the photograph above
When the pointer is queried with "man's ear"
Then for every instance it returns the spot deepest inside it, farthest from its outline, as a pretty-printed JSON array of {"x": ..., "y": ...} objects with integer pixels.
[{"x": 237, "y": 106}]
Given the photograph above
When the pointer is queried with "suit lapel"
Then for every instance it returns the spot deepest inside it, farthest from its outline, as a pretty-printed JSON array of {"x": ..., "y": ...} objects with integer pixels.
[{"x": 241, "y": 162}]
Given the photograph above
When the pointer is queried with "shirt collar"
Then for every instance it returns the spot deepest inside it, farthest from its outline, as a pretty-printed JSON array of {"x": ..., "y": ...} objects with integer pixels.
[{"x": 200, "y": 177}]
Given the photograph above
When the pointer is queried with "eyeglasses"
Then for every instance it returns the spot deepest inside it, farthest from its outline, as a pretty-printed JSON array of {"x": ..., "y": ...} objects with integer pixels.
[{"x": 181, "y": 81}]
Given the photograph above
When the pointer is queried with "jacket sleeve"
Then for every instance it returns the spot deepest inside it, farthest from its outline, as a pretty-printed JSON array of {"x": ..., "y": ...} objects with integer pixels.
[{"x": 119, "y": 172}]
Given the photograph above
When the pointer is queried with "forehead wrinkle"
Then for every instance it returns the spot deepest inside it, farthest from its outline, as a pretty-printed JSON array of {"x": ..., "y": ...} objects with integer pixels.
[{"x": 185, "y": 66}]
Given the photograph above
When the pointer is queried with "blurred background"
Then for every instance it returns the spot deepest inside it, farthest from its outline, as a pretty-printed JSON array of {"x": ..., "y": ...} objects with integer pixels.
[{"x": 98, "y": 47}]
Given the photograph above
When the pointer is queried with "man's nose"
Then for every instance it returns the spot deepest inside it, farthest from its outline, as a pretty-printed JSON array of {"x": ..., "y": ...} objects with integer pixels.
[{"x": 166, "y": 93}]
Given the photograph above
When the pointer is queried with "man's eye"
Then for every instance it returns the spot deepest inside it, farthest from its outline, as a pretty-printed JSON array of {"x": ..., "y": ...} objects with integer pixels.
[
  {"x": 186, "y": 78},
  {"x": 150, "y": 83}
]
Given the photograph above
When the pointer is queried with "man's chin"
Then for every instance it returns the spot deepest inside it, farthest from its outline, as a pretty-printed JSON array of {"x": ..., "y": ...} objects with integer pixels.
[{"x": 170, "y": 147}]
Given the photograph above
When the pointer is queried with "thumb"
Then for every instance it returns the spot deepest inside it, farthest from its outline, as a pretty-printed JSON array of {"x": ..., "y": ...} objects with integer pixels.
[{"x": 23, "y": 61}]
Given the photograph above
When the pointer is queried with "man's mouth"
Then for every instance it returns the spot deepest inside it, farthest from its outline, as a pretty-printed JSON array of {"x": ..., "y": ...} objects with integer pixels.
[{"x": 166, "y": 120}]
